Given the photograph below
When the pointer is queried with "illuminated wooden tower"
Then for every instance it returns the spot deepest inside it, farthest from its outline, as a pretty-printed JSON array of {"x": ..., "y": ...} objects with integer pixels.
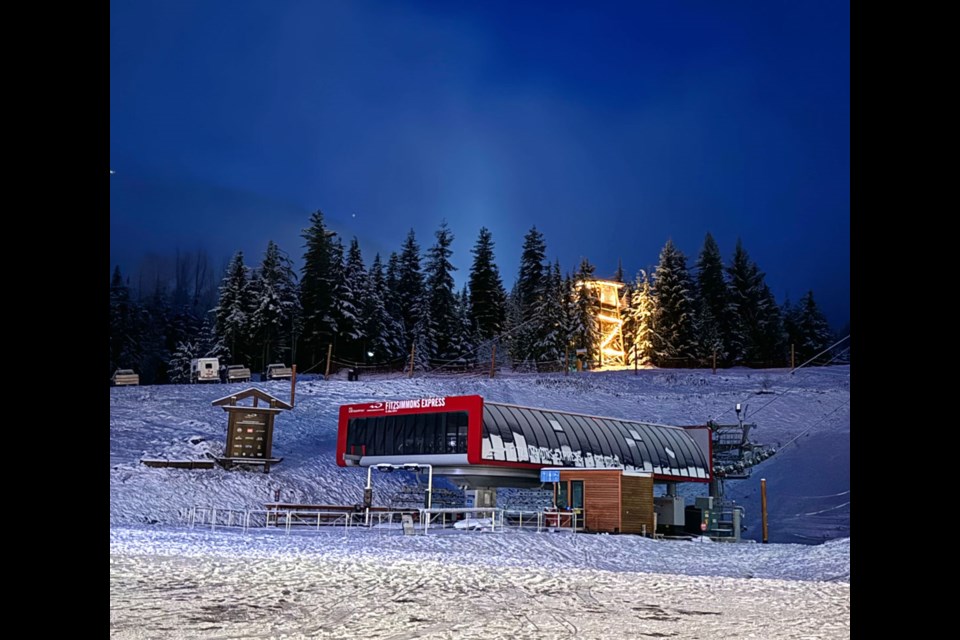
[{"x": 609, "y": 322}]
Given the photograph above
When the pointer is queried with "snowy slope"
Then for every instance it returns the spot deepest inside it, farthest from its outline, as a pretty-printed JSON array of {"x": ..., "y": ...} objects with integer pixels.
[{"x": 807, "y": 481}]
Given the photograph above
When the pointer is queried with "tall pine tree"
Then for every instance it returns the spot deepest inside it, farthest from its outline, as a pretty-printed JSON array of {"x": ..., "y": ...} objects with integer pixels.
[
  {"x": 487, "y": 295},
  {"x": 530, "y": 293},
  {"x": 674, "y": 316},
  {"x": 409, "y": 287},
  {"x": 233, "y": 313},
  {"x": 275, "y": 305},
  {"x": 382, "y": 331},
  {"x": 807, "y": 329},
  {"x": 713, "y": 321},
  {"x": 442, "y": 300},
  {"x": 638, "y": 322},
  {"x": 756, "y": 331},
  {"x": 318, "y": 287}
]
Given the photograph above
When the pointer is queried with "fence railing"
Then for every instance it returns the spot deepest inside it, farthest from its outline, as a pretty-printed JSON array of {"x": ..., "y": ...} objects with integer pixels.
[{"x": 489, "y": 519}]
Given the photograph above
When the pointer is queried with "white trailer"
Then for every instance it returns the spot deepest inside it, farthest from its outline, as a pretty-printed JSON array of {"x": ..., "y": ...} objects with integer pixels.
[{"x": 205, "y": 370}]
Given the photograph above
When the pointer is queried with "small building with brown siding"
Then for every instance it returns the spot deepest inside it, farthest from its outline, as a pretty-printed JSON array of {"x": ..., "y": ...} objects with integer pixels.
[{"x": 610, "y": 500}]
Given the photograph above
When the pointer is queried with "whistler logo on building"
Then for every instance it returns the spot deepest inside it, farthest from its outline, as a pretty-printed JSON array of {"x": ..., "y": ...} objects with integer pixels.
[{"x": 419, "y": 403}]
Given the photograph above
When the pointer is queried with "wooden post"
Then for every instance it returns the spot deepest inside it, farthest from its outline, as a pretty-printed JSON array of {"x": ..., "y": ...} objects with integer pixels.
[
  {"x": 293, "y": 384},
  {"x": 714, "y": 362},
  {"x": 493, "y": 361},
  {"x": 566, "y": 360},
  {"x": 636, "y": 370},
  {"x": 413, "y": 349},
  {"x": 763, "y": 506},
  {"x": 326, "y": 374},
  {"x": 792, "y": 358}
]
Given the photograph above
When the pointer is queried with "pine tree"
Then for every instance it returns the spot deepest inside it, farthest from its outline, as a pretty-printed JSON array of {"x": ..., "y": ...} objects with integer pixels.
[
  {"x": 381, "y": 330},
  {"x": 409, "y": 287},
  {"x": 638, "y": 322},
  {"x": 442, "y": 300},
  {"x": 586, "y": 328},
  {"x": 806, "y": 328},
  {"x": 530, "y": 292},
  {"x": 124, "y": 326},
  {"x": 464, "y": 341},
  {"x": 553, "y": 341},
  {"x": 351, "y": 290},
  {"x": 757, "y": 334},
  {"x": 154, "y": 318},
  {"x": 318, "y": 287},
  {"x": 674, "y": 317},
  {"x": 391, "y": 299},
  {"x": 618, "y": 276},
  {"x": 274, "y": 294},
  {"x": 713, "y": 319},
  {"x": 178, "y": 366},
  {"x": 487, "y": 295}
]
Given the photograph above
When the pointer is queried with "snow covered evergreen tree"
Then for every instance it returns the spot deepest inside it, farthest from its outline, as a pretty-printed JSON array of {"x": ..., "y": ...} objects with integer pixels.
[
  {"x": 275, "y": 303},
  {"x": 381, "y": 330},
  {"x": 553, "y": 341},
  {"x": 178, "y": 367},
  {"x": 442, "y": 300},
  {"x": 487, "y": 295},
  {"x": 674, "y": 316},
  {"x": 530, "y": 291},
  {"x": 318, "y": 288},
  {"x": 351, "y": 289},
  {"x": 233, "y": 313},
  {"x": 464, "y": 342},
  {"x": 807, "y": 328},
  {"x": 713, "y": 319},
  {"x": 638, "y": 322},
  {"x": 154, "y": 319},
  {"x": 757, "y": 333},
  {"x": 586, "y": 329},
  {"x": 409, "y": 288},
  {"x": 124, "y": 326},
  {"x": 391, "y": 299}
]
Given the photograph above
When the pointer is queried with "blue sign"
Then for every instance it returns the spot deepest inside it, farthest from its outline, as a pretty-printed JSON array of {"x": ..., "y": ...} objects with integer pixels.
[{"x": 548, "y": 475}]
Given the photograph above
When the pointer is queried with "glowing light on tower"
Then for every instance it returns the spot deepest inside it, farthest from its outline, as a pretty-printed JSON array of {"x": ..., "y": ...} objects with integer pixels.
[{"x": 609, "y": 321}]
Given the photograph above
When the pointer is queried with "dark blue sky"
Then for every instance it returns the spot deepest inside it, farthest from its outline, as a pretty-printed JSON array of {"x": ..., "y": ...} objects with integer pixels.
[{"x": 610, "y": 126}]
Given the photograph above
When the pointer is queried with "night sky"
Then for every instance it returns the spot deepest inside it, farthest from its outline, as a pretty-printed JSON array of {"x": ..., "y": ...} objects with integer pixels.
[{"x": 610, "y": 126}]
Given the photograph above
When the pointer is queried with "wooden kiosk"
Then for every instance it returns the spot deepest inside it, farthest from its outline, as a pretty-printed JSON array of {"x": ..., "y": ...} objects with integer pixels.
[
  {"x": 606, "y": 500},
  {"x": 250, "y": 429}
]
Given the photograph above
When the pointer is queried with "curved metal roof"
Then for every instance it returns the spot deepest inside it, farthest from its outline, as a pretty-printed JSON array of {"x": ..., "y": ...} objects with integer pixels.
[{"x": 556, "y": 438}]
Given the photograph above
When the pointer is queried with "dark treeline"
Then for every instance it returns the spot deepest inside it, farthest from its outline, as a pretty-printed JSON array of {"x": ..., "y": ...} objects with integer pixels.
[{"x": 678, "y": 315}]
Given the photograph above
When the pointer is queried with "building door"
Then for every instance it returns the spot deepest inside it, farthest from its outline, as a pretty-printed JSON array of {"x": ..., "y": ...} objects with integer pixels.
[{"x": 570, "y": 498}]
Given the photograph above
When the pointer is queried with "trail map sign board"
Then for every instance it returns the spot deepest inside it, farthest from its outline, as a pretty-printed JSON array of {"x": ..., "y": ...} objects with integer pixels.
[{"x": 250, "y": 428}]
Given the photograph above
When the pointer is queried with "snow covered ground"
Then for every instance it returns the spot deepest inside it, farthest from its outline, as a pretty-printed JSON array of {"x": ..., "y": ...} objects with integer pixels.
[{"x": 171, "y": 581}]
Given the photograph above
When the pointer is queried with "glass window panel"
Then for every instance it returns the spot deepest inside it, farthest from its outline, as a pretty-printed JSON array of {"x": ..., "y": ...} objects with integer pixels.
[
  {"x": 576, "y": 494},
  {"x": 420, "y": 426},
  {"x": 389, "y": 436},
  {"x": 462, "y": 427}
]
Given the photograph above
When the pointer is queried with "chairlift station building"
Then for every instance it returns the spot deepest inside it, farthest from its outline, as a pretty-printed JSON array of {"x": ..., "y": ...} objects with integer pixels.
[{"x": 483, "y": 445}]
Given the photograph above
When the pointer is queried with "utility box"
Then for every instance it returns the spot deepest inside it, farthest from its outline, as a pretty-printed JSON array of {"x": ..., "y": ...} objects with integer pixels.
[
  {"x": 481, "y": 499},
  {"x": 670, "y": 511},
  {"x": 704, "y": 502}
]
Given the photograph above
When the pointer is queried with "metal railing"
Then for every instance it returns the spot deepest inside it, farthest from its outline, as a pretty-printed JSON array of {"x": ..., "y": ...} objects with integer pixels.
[
  {"x": 440, "y": 516},
  {"x": 488, "y": 519}
]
